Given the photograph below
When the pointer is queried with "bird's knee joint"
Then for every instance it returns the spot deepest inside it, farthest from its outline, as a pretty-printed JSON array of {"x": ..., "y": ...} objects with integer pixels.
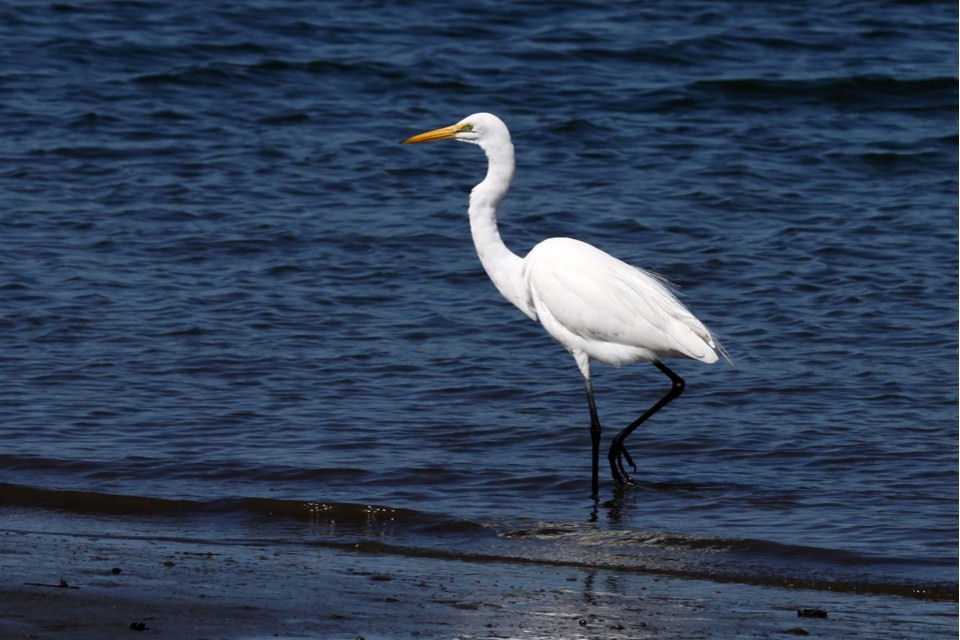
[{"x": 678, "y": 386}]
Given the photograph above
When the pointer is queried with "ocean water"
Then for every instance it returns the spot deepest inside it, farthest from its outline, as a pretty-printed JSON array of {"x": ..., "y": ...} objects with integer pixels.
[{"x": 229, "y": 293}]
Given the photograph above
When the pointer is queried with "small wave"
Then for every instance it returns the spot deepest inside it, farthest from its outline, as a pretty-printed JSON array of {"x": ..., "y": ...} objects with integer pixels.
[
  {"x": 368, "y": 528},
  {"x": 86, "y": 502},
  {"x": 892, "y": 159},
  {"x": 705, "y": 544},
  {"x": 864, "y": 91},
  {"x": 220, "y": 73},
  {"x": 345, "y": 515},
  {"x": 285, "y": 119}
]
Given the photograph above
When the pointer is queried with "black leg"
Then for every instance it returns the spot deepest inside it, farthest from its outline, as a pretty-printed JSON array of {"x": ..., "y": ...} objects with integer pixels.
[
  {"x": 617, "y": 449},
  {"x": 595, "y": 437}
]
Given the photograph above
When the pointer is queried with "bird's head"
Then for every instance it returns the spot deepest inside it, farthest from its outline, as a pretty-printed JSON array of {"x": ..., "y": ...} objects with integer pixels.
[{"x": 480, "y": 128}]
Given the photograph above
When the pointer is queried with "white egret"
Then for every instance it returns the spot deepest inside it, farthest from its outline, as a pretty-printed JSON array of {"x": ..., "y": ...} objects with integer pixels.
[{"x": 595, "y": 305}]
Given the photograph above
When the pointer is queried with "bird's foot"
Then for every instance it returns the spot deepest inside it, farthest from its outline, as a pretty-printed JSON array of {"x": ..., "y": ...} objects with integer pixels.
[{"x": 618, "y": 452}]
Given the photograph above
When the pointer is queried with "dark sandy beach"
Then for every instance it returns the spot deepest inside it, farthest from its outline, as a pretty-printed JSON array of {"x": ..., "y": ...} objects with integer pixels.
[{"x": 59, "y": 582}]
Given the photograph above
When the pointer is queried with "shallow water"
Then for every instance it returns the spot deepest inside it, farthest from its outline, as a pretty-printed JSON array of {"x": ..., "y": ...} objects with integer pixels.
[{"x": 224, "y": 280}]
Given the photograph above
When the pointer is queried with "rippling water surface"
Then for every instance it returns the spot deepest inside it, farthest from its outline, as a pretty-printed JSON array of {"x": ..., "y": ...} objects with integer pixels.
[{"x": 226, "y": 285}]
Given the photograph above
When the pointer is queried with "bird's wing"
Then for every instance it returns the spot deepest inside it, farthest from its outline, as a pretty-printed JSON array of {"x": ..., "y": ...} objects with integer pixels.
[{"x": 600, "y": 298}]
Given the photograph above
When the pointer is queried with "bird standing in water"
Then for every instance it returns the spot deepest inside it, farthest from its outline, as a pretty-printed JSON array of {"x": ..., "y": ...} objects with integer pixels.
[{"x": 595, "y": 305}]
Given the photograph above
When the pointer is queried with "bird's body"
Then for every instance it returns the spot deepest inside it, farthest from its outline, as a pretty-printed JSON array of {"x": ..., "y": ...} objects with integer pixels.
[
  {"x": 608, "y": 310},
  {"x": 598, "y": 307}
]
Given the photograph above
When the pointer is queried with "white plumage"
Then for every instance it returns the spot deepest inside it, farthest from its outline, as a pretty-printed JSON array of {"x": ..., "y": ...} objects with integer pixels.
[
  {"x": 598, "y": 307},
  {"x": 611, "y": 311}
]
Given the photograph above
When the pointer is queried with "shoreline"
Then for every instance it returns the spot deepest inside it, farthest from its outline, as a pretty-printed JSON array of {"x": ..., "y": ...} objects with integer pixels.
[{"x": 93, "y": 586}]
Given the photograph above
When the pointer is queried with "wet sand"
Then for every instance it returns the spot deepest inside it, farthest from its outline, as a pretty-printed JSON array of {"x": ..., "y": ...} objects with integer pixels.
[{"x": 68, "y": 584}]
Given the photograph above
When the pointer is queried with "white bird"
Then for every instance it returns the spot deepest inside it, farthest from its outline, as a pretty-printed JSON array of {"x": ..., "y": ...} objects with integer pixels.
[{"x": 595, "y": 305}]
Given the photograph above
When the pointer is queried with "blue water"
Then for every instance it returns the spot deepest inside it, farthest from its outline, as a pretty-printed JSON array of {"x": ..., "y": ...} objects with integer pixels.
[{"x": 224, "y": 278}]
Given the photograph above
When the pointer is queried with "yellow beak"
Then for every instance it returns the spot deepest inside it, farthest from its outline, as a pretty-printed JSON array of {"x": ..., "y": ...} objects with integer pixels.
[{"x": 437, "y": 134}]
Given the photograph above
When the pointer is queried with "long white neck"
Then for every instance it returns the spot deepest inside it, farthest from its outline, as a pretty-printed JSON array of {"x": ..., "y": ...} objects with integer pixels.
[{"x": 502, "y": 265}]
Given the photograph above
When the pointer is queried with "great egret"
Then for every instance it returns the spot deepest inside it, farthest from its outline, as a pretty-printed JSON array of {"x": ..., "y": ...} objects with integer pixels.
[{"x": 595, "y": 305}]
